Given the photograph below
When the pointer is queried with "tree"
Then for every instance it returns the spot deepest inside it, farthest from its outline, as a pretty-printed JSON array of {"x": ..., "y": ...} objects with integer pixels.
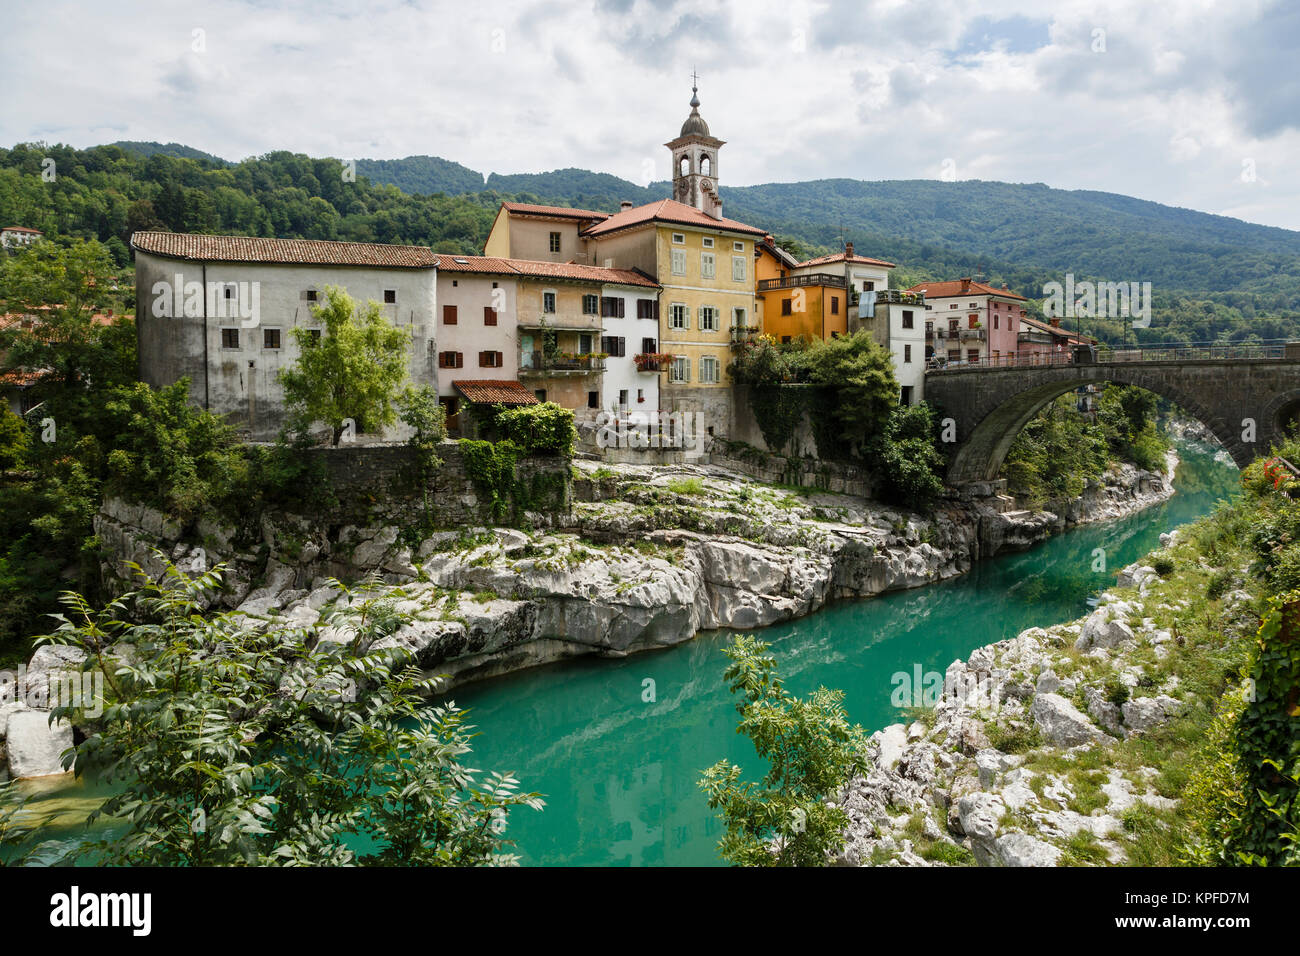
[
  {"x": 13, "y": 439},
  {"x": 812, "y": 753},
  {"x": 353, "y": 370},
  {"x": 905, "y": 460},
  {"x": 237, "y": 742},
  {"x": 862, "y": 371}
]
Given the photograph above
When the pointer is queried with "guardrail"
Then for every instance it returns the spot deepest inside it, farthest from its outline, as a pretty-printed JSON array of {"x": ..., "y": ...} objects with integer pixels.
[{"x": 1119, "y": 356}]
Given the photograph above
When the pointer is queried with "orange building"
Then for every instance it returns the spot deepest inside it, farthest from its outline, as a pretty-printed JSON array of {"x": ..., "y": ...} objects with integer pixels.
[{"x": 791, "y": 303}]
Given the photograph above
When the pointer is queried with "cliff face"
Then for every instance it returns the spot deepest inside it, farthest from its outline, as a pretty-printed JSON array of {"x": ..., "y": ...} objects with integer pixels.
[{"x": 646, "y": 558}]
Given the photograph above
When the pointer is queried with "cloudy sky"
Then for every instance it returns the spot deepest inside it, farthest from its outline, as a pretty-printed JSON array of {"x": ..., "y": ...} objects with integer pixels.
[{"x": 1191, "y": 102}]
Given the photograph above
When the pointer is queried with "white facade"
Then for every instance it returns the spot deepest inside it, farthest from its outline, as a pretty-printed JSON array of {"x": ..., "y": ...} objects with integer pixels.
[
  {"x": 624, "y": 388},
  {"x": 465, "y": 341},
  {"x": 228, "y": 326},
  {"x": 900, "y": 327}
]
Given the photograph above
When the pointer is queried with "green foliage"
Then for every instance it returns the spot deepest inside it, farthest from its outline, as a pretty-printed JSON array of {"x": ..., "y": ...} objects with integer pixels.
[
  {"x": 862, "y": 372},
  {"x": 265, "y": 745},
  {"x": 492, "y": 466},
  {"x": 421, "y": 410},
  {"x": 353, "y": 370},
  {"x": 1163, "y": 566},
  {"x": 778, "y": 409},
  {"x": 904, "y": 459},
  {"x": 811, "y": 751},
  {"x": 542, "y": 429},
  {"x": 14, "y": 440}
]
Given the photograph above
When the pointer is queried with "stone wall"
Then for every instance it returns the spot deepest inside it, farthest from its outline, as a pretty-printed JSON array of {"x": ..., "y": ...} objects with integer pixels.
[{"x": 840, "y": 477}]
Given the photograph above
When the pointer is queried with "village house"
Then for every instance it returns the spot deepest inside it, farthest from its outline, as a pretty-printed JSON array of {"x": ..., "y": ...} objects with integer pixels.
[
  {"x": 969, "y": 321},
  {"x": 16, "y": 237}
]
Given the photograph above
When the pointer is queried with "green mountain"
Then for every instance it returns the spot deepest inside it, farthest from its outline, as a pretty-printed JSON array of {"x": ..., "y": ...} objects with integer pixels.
[
  {"x": 422, "y": 174},
  {"x": 146, "y": 150}
]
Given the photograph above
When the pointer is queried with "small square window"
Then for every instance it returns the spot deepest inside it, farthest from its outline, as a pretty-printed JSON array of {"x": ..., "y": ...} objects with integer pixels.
[
  {"x": 679, "y": 237},
  {"x": 230, "y": 338},
  {"x": 311, "y": 295},
  {"x": 230, "y": 291},
  {"x": 390, "y": 296},
  {"x": 738, "y": 246},
  {"x": 708, "y": 242},
  {"x": 270, "y": 338}
]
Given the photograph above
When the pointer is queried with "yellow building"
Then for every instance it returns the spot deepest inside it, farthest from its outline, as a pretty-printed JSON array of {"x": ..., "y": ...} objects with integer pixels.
[{"x": 791, "y": 305}]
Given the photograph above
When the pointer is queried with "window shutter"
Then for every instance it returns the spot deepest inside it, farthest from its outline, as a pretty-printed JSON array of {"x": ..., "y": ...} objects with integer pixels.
[
  {"x": 448, "y": 315},
  {"x": 489, "y": 315},
  {"x": 501, "y": 360}
]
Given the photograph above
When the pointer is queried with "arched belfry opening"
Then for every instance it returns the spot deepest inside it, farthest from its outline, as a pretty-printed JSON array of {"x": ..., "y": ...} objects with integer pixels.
[{"x": 695, "y": 163}]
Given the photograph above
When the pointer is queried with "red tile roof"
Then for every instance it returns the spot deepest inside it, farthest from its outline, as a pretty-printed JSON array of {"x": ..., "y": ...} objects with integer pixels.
[
  {"x": 953, "y": 287},
  {"x": 1058, "y": 331},
  {"x": 552, "y": 212},
  {"x": 494, "y": 392},
  {"x": 842, "y": 257},
  {"x": 666, "y": 210},
  {"x": 22, "y": 229},
  {"x": 199, "y": 248},
  {"x": 532, "y": 268}
]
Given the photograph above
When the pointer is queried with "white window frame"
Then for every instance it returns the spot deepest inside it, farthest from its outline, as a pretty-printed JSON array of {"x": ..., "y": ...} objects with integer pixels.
[
  {"x": 679, "y": 238},
  {"x": 685, "y": 314},
  {"x": 707, "y": 242},
  {"x": 739, "y": 270},
  {"x": 679, "y": 262},
  {"x": 714, "y": 375},
  {"x": 680, "y": 370},
  {"x": 716, "y": 316},
  {"x": 708, "y": 265},
  {"x": 737, "y": 247}
]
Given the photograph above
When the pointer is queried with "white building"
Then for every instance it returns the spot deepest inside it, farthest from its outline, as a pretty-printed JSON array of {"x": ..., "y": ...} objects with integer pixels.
[
  {"x": 630, "y": 337},
  {"x": 220, "y": 310},
  {"x": 13, "y": 237}
]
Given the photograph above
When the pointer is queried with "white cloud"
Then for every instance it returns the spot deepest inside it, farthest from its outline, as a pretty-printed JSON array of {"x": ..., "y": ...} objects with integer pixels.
[{"x": 1182, "y": 93}]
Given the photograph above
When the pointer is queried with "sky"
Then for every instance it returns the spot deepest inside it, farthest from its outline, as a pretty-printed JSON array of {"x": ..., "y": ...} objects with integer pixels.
[{"x": 1192, "y": 103}]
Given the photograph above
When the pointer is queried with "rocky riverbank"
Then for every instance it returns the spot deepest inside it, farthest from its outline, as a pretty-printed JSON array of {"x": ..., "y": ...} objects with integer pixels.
[
  {"x": 1038, "y": 750},
  {"x": 647, "y": 558}
]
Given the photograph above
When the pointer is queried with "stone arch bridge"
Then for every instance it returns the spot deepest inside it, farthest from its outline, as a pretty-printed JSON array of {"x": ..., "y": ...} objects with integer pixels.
[{"x": 1226, "y": 390}]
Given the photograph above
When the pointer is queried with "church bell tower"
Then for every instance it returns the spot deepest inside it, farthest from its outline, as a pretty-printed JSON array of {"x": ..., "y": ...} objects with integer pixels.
[{"x": 695, "y": 163}]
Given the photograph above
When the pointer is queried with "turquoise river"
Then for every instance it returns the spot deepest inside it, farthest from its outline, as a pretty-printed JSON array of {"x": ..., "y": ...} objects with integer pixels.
[{"x": 619, "y": 771}]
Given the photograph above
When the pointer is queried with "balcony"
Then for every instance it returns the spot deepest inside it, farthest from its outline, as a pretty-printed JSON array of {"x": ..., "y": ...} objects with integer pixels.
[
  {"x": 558, "y": 321},
  {"x": 562, "y": 363},
  {"x": 652, "y": 362},
  {"x": 794, "y": 282},
  {"x": 974, "y": 335},
  {"x": 900, "y": 297},
  {"x": 743, "y": 335}
]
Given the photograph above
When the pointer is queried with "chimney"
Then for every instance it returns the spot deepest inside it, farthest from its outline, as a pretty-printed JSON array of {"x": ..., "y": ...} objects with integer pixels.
[
  {"x": 965, "y": 284},
  {"x": 1004, "y": 287},
  {"x": 1056, "y": 321},
  {"x": 625, "y": 204},
  {"x": 848, "y": 250}
]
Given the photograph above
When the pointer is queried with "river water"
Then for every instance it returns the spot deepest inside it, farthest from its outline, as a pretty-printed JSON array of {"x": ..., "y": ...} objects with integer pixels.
[{"x": 617, "y": 747}]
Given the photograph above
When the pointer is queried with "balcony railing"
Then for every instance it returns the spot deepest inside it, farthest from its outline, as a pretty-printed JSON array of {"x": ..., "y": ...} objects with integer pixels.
[
  {"x": 898, "y": 296},
  {"x": 794, "y": 282},
  {"x": 978, "y": 335},
  {"x": 652, "y": 361},
  {"x": 539, "y": 363},
  {"x": 557, "y": 321}
]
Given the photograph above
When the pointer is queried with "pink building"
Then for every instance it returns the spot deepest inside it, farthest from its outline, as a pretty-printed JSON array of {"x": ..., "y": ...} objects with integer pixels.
[{"x": 968, "y": 321}]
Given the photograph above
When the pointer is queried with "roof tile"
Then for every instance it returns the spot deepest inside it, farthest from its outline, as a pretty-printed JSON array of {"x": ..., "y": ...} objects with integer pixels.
[
  {"x": 494, "y": 392},
  {"x": 200, "y": 248},
  {"x": 666, "y": 210}
]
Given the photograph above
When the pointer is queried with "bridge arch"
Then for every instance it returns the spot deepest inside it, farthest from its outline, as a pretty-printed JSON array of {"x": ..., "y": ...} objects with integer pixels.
[{"x": 1235, "y": 400}]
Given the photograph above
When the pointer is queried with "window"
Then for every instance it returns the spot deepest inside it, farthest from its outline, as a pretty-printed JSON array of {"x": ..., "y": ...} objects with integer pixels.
[
  {"x": 738, "y": 268},
  {"x": 908, "y": 321},
  {"x": 708, "y": 320},
  {"x": 738, "y": 246},
  {"x": 787, "y": 307},
  {"x": 708, "y": 265},
  {"x": 678, "y": 317},
  {"x": 640, "y": 395},
  {"x": 869, "y": 286},
  {"x": 835, "y": 305},
  {"x": 229, "y": 290},
  {"x": 540, "y": 393},
  {"x": 953, "y": 306},
  {"x": 954, "y": 355},
  {"x": 270, "y": 338},
  {"x": 593, "y": 399},
  {"x": 679, "y": 262},
  {"x": 390, "y": 297},
  {"x": 679, "y": 237},
  {"x": 681, "y": 370},
  {"x": 973, "y": 317},
  {"x": 548, "y": 302},
  {"x": 647, "y": 308},
  {"x": 313, "y": 336},
  {"x": 709, "y": 368},
  {"x": 738, "y": 318},
  {"x": 448, "y": 315},
  {"x": 611, "y": 306},
  {"x": 591, "y": 304},
  {"x": 230, "y": 338},
  {"x": 555, "y": 242},
  {"x": 310, "y": 295},
  {"x": 707, "y": 242},
  {"x": 622, "y": 397},
  {"x": 614, "y": 346},
  {"x": 450, "y": 360},
  {"x": 972, "y": 355},
  {"x": 995, "y": 321},
  {"x": 907, "y": 395},
  {"x": 489, "y": 315},
  {"x": 490, "y": 359},
  {"x": 907, "y": 353},
  {"x": 974, "y": 305},
  {"x": 649, "y": 346}
]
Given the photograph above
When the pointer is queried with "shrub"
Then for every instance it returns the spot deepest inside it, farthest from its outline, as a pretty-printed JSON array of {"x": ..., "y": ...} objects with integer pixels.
[
  {"x": 1163, "y": 565},
  {"x": 542, "y": 429}
]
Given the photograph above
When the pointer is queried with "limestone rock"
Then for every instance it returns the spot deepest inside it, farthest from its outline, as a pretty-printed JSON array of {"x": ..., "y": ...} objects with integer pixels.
[
  {"x": 1061, "y": 723},
  {"x": 1020, "y": 849},
  {"x": 35, "y": 748}
]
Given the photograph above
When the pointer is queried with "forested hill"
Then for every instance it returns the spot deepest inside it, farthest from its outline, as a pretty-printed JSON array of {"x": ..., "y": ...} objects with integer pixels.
[{"x": 1210, "y": 274}]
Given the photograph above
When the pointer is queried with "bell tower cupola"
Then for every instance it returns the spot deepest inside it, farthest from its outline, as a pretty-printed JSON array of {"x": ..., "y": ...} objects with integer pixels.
[{"x": 695, "y": 162}]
